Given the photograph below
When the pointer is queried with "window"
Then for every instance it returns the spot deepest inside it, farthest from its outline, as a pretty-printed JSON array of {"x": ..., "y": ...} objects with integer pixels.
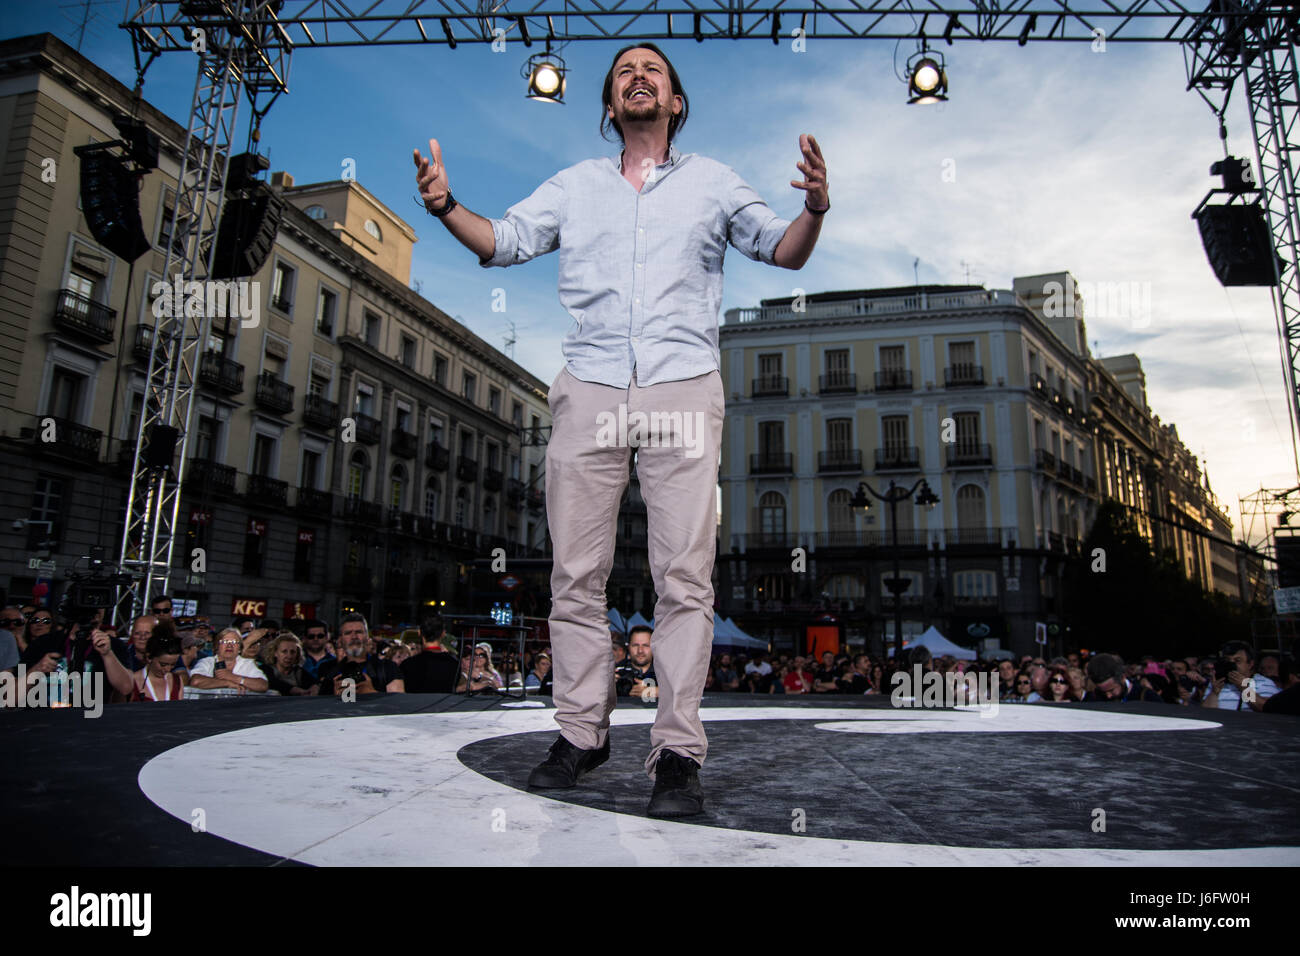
[
  {"x": 310, "y": 477},
  {"x": 432, "y": 494},
  {"x": 493, "y": 453},
  {"x": 165, "y": 226},
  {"x": 365, "y": 399},
  {"x": 970, "y": 508},
  {"x": 462, "y": 507},
  {"x": 408, "y": 351},
  {"x": 1033, "y": 362},
  {"x": 839, "y": 436},
  {"x": 440, "y": 369},
  {"x": 264, "y": 455},
  {"x": 371, "y": 329},
  {"x": 134, "y": 410},
  {"x": 397, "y": 488},
  {"x": 771, "y": 514},
  {"x": 892, "y": 358},
  {"x": 845, "y": 587},
  {"x": 435, "y": 431},
  {"x": 319, "y": 381},
  {"x": 839, "y": 511},
  {"x": 517, "y": 414},
  {"x": 254, "y": 547},
  {"x": 771, "y": 438},
  {"x": 205, "y": 438},
  {"x": 83, "y": 283},
  {"x": 837, "y": 363},
  {"x": 467, "y": 444},
  {"x": 326, "y": 308},
  {"x": 372, "y": 227},
  {"x": 961, "y": 355},
  {"x": 975, "y": 584},
  {"x": 302, "y": 554},
  {"x": 402, "y": 416},
  {"x": 66, "y": 390},
  {"x": 316, "y": 212},
  {"x": 282, "y": 287},
  {"x": 769, "y": 366},
  {"x": 468, "y": 386},
  {"x": 494, "y": 401},
  {"x": 893, "y": 429},
  {"x": 490, "y": 515},
  {"x": 355, "y": 487},
  {"x": 968, "y": 429}
]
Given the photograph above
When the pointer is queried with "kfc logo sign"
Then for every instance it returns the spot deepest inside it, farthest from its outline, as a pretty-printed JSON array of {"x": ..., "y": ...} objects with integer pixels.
[{"x": 253, "y": 607}]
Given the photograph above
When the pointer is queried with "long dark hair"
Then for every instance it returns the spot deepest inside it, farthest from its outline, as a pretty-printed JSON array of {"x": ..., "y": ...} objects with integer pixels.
[{"x": 674, "y": 123}]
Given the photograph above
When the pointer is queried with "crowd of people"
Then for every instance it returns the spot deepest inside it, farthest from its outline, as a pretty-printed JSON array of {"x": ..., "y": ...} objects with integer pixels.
[{"x": 159, "y": 657}]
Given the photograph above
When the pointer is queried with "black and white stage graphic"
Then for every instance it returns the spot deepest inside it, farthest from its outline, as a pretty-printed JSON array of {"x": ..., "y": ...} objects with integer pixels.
[{"x": 792, "y": 782}]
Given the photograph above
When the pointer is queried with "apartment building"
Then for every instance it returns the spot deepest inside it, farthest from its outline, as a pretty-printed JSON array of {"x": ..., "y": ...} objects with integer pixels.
[
  {"x": 990, "y": 396},
  {"x": 355, "y": 448}
]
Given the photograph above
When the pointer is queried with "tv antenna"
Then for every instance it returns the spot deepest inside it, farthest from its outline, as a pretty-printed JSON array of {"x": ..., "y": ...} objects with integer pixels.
[{"x": 510, "y": 341}]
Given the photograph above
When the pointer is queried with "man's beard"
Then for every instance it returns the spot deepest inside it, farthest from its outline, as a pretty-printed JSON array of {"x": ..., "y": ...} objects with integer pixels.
[{"x": 356, "y": 650}]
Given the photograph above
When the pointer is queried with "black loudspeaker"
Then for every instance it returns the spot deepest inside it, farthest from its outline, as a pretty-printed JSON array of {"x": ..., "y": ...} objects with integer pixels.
[
  {"x": 110, "y": 201},
  {"x": 247, "y": 233},
  {"x": 1238, "y": 244},
  {"x": 161, "y": 447},
  {"x": 1288, "y": 560}
]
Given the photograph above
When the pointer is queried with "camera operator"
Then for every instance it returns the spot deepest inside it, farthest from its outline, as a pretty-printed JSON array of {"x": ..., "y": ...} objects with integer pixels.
[
  {"x": 633, "y": 676},
  {"x": 372, "y": 674},
  {"x": 1106, "y": 671},
  {"x": 1233, "y": 672}
]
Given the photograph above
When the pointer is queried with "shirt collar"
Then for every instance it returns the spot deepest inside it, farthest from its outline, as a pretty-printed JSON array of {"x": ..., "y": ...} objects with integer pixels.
[{"x": 673, "y": 156}]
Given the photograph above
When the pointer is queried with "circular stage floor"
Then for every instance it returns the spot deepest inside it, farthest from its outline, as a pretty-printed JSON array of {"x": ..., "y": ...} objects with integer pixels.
[{"x": 439, "y": 780}]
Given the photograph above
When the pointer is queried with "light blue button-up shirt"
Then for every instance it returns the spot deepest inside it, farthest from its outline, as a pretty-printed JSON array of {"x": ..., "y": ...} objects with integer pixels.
[{"x": 640, "y": 272}]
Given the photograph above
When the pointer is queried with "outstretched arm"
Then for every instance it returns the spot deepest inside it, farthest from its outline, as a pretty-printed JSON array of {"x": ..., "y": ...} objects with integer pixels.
[
  {"x": 797, "y": 244},
  {"x": 473, "y": 231}
]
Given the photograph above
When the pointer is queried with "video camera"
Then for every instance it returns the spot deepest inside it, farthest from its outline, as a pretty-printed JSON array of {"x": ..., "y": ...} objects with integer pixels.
[{"x": 90, "y": 591}]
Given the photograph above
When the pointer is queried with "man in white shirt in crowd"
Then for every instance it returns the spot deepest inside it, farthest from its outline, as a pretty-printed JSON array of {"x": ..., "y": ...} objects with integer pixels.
[{"x": 1241, "y": 688}]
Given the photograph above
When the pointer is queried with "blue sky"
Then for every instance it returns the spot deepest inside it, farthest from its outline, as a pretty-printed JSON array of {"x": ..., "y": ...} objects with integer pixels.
[{"x": 1064, "y": 159}]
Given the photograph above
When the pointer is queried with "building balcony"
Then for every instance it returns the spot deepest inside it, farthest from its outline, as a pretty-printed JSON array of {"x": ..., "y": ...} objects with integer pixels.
[
  {"x": 515, "y": 493},
  {"x": 273, "y": 394},
  {"x": 436, "y": 456},
  {"x": 840, "y": 461},
  {"x": 311, "y": 501},
  {"x": 770, "y": 386},
  {"x": 220, "y": 373},
  {"x": 466, "y": 469},
  {"x": 973, "y": 537},
  {"x": 832, "y": 382},
  {"x": 536, "y": 500},
  {"x": 771, "y": 463},
  {"x": 403, "y": 522},
  {"x": 403, "y": 444},
  {"x": 84, "y": 317},
  {"x": 368, "y": 428},
  {"x": 364, "y": 512},
  {"x": 493, "y": 479},
  {"x": 466, "y": 538},
  {"x": 320, "y": 411},
  {"x": 1045, "y": 461},
  {"x": 894, "y": 380},
  {"x": 764, "y": 540},
  {"x": 142, "y": 345},
  {"x": 969, "y": 455},
  {"x": 204, "y": 477},
  {"x": 67, "y": 440},
  {"x": 963, "y": 376},
  {"x": 1038, "y": 386},
  {"x": 1055, "y": 542},
  {"x": 267, "y": 491},
  {"x": 898, "y": 458}
]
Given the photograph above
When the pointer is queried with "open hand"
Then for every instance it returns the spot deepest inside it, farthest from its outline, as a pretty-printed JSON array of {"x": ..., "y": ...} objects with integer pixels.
[
  {"x": 431, "y": 177},
  {"x": 813, "y": 168}
]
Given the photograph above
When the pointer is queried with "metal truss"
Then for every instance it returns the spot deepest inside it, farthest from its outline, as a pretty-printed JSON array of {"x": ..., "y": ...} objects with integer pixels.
[
  {"x": 311, "y": 23},
  {"x": 230, "y": 62}
]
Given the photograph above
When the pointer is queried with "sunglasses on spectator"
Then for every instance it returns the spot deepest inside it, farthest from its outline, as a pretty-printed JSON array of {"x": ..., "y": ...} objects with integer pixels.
[
  {"x": 42, "y": 620},
  {"x": 1023, "y": 680},
  {"x": 228, "y": 643},
  {"x": 480, "y": 654},
  {"x": 1058, "y": 680}
]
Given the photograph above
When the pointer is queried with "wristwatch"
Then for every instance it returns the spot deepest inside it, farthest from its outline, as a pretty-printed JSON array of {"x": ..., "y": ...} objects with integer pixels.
[
  {"x": 447, "y": 207},
  {"x": 816, "y": 212}
]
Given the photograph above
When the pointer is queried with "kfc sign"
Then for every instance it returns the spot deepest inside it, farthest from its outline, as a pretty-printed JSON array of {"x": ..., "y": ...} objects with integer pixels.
[
  {"x": 305, "y": 536},
  {"x": 256, "y": 526},
  {"x": 199, "y": 516},
  {"x": 251, "y": 607}
]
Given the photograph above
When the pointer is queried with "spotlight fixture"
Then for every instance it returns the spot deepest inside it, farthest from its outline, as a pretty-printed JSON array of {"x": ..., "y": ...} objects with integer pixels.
[
  {"x": 927, "y": 82},
  {"x": 546, "y": 77}
]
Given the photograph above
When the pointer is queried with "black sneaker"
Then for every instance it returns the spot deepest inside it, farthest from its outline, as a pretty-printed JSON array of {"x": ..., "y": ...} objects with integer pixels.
[
  {"x": 565, "y": 764},
  {"x": 677, "y": 790}
]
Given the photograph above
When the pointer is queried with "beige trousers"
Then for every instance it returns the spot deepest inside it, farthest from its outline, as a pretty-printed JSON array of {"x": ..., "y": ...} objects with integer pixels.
[{"x": 676, "y": 428}]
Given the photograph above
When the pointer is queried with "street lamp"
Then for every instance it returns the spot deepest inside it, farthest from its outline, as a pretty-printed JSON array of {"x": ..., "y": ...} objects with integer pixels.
[{"x": 861, "y": 503}]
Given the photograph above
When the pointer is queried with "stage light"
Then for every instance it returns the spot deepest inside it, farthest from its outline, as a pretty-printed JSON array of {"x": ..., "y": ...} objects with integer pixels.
[
  {"x": 927, "y": 81},
  {"x": 546, "y": 78}
]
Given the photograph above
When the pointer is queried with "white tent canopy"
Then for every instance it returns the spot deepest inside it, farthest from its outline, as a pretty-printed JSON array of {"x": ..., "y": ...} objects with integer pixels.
[
  {"x": 727, "y": 634},
  {"x": 938, "y": 646}
]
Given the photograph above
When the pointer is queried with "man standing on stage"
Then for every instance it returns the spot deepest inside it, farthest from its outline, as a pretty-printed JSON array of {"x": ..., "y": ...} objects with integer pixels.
[{"x": 641, "y": 237}]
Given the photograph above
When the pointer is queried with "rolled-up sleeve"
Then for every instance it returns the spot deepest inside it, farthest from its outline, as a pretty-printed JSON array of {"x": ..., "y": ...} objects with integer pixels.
[
  {"x": 752, "y": 227},
  {"x": 530, "y": 228}
]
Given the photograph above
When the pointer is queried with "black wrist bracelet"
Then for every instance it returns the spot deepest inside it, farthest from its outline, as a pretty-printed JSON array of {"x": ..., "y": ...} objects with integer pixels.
[{"x": 816, "y": 212}]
